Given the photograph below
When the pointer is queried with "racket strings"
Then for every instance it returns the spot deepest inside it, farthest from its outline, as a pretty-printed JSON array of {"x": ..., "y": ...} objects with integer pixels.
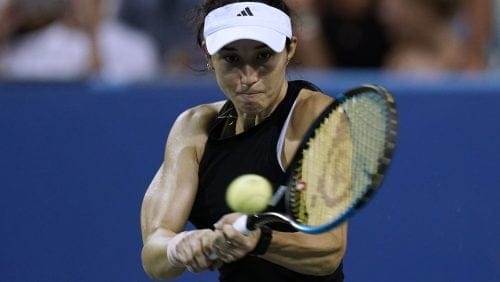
[
  {"x": 368, "y": 118},
  {"x": 373, "y": 122},
  {"x": 326, "y": 163}
]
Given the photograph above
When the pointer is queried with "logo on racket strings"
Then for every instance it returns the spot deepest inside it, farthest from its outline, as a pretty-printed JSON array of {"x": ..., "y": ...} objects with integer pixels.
[{"x": 301, "y": 186}]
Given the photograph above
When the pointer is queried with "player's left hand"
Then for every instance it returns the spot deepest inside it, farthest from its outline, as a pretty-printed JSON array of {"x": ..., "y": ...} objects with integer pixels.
[{"x": 232, "y": 245}]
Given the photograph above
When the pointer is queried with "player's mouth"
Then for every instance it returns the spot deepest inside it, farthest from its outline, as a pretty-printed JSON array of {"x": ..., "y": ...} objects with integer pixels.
[{"x": 249, "y": 93}]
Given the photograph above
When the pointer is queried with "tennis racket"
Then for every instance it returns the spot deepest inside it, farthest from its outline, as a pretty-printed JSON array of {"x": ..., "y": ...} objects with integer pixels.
[{"x": 339, "y": 165}]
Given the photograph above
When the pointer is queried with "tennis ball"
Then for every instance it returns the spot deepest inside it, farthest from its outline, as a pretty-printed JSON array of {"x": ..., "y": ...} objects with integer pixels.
[{"x": 249, "y": 193}]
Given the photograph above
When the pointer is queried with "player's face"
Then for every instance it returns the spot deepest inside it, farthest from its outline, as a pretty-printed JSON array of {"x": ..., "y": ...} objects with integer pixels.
[{"x": 252, "y": 75}]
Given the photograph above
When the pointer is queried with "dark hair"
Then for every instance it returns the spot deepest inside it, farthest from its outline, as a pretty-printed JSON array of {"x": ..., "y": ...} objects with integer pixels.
[
  {"x": 210, "y": 5},
  {"x": 443, "y": 8}
]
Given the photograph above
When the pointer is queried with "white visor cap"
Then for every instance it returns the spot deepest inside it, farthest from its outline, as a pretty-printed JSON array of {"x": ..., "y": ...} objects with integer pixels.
[{"x": 246, "y": 20}]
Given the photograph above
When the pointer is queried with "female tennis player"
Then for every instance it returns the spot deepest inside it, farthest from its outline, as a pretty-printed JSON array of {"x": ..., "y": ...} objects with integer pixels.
[{"x": 257, "y": 129}]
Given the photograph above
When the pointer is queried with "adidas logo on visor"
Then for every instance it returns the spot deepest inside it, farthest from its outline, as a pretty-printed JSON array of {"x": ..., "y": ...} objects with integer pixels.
[{"x": 246, "y": 12}]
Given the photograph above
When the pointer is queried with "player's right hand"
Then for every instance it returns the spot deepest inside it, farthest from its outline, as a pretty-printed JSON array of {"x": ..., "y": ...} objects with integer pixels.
[{"x": 191, "y": 249}]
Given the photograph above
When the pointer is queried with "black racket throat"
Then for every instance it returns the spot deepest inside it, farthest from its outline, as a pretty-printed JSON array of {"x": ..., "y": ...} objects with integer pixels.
[{"x": 275, "y": 221}]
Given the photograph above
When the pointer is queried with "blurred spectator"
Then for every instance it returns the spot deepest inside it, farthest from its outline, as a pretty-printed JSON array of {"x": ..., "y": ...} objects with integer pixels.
[
  {"x": 422, "y": 35},
  {"x": 169, "y": 22},
  {"x": 339, "y": 33},
  {"x": 20, "y": 17},
  {"x": 494, "y": 52},
  {"x": 312, "y": 51},
  {"x": 86, "y": 40},
  {"x": 477, "y": 17}
]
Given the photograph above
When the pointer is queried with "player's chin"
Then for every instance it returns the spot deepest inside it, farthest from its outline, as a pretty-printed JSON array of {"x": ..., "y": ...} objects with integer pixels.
[{"x": 251, "y": 107}]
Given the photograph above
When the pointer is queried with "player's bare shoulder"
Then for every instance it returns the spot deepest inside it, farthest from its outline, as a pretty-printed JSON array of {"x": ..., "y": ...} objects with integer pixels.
[
  {"x": 198, "y": 119},
  {"x": 190, "y": 129},
  {"x": 309, "y": 105},
  {"x": 313, "y": 102}
]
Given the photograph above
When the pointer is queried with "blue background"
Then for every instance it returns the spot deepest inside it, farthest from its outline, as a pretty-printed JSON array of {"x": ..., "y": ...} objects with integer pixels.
[{"x": 76, "y": 159}]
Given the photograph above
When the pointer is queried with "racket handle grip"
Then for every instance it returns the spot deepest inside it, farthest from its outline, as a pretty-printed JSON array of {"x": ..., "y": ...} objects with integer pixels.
[
  {"x": 213, "y": 256},
  {"x": 241, "y": 225}
]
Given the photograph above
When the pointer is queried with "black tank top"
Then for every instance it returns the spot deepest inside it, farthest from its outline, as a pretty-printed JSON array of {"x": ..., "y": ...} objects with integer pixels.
[{"x": 252, "y": 151}]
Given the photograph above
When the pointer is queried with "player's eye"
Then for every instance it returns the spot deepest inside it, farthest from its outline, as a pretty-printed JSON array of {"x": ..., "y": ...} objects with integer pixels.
[
  {"x": 232, "y": 59},
  {"x": 264, "y": 56}
]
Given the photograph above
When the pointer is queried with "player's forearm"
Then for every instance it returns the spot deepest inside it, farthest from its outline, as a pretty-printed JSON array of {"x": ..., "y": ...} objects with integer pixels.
[
  {"x": 154, "y": 259},
  {"x": 308, "y": 254}
]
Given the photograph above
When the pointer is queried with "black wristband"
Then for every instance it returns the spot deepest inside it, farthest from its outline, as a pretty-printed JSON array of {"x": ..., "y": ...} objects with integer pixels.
[{"x": 266, "y": 235}]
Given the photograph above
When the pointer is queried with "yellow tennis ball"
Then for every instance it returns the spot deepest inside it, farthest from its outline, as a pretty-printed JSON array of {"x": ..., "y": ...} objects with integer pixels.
[{"x": 249, "y": 193}]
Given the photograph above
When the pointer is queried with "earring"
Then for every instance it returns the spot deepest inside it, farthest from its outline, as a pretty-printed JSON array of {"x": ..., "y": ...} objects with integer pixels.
[{"x": 209, "y": 67}]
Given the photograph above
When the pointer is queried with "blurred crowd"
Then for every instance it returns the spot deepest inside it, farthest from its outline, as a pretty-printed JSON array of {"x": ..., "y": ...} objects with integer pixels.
[{"x": 141, "y": 40}]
